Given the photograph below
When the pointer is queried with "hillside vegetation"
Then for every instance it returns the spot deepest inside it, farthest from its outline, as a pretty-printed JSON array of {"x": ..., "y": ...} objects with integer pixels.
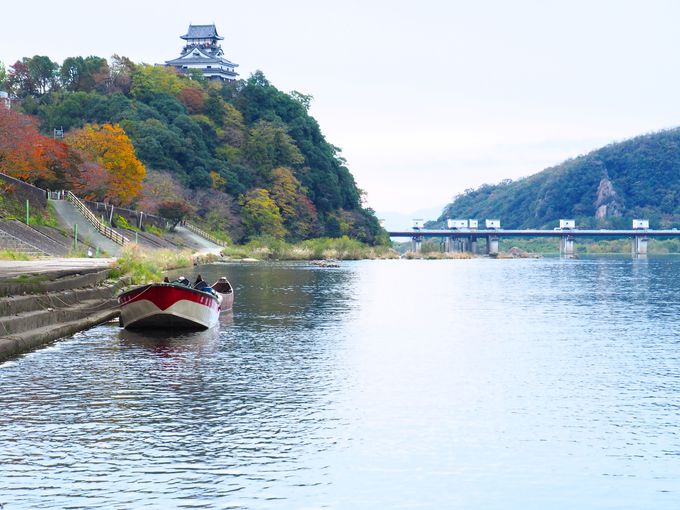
[
  {"x": 638, "y": 178},
  {"x": 242, "y": 158}
]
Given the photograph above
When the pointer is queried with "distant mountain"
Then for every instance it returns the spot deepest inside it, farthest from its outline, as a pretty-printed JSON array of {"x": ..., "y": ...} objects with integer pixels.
[{"x": 637, "y": 178}]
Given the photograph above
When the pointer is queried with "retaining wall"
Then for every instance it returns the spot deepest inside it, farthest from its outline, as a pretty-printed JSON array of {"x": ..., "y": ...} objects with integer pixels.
[{"x": 24, "y": 191}]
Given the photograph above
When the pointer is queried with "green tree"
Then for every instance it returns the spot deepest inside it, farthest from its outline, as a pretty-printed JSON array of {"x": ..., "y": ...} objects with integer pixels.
[
  {"x": 121, "y": 69},
  {"x": 148, "y": 81},
  {"x": 304, "y": 99},
  {"x": 261, "y": 216},
  {"x": 268, "y": 145},
  {"x": 215, "y": 107},
  {"x": 34, "y": 76},
  {"x": 83, "y": 74},
  {"x": 43, "y": 72},
  {"x": 3, "y": 76}
]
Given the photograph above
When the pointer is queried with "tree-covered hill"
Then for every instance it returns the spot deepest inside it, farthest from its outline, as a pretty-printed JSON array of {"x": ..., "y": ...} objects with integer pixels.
[
  {"x": 637, "y": 178},
  {"x": 248, "y": 157}
]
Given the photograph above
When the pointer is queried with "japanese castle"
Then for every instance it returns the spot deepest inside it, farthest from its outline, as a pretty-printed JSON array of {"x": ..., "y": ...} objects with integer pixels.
[{"x": 203, "y": 51}]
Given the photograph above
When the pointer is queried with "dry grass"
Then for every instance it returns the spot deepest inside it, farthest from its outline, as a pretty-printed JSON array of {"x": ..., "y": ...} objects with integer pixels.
[
  {"x": 146, "y": 266},
  {"x": 435, "y": 255}
]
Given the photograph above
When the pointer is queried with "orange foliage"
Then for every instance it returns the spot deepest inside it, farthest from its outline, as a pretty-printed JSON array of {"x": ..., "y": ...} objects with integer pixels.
[
  {"x": 109, "y": 147},
  {"x": 25, "y": 153}
]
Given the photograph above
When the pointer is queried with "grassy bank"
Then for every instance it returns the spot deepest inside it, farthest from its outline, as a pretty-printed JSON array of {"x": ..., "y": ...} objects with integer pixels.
[
  {"x": 145, "y": 266},
  {"x": 13, "y": 255},
  {"x": 341, "y": 248}
]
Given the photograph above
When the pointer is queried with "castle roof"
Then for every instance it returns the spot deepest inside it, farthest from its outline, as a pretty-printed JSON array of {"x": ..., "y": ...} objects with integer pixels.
[
  {"x": 201, "y": 32},
  {"x": 200, "y": 56}
]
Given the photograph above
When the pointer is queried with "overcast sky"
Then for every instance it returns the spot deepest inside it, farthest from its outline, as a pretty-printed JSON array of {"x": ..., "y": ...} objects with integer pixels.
[{"x": 425, "y": 98}]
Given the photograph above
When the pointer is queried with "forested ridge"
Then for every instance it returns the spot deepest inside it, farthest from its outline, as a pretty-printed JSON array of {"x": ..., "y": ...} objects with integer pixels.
[
  {"x": 243, "y": 157},
  {"x": 637, "y": 178}
]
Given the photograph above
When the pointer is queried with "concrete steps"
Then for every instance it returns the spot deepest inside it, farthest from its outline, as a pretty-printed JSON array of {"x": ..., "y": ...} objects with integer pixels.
[
  {"x": 14, "y": 345},
  {"x": 59, "y": 313},
  {"x": 56, "y": 305},
  {"x": 52, "y": 282},
  {"x": 14, "y": 305}
]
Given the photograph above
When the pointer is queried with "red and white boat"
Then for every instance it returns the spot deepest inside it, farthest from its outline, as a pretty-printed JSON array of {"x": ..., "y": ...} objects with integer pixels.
[{"x": 175, "y": 305}]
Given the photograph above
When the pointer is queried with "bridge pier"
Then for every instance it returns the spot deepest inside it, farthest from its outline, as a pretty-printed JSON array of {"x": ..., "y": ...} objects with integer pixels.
[
  {"x": 473, "y": 244},
  {"x": 416, "y": 243},
  {"x": 456, "y": 244},
  {"x": 492, "y": 245},
  {"x": 567, "y": 246},
  {"x": 639, "y": 245}
]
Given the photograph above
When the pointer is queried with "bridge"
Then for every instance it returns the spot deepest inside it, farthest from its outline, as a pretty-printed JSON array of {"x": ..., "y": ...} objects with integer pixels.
[{"x": 467, "y": 239}]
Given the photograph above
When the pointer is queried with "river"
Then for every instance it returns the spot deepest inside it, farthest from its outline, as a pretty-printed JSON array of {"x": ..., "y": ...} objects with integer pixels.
[{"x": 476, "y": 384}]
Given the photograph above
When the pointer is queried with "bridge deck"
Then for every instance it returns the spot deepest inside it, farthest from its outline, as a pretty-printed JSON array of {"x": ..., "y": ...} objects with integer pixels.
[{"x": 535, "y": 233}]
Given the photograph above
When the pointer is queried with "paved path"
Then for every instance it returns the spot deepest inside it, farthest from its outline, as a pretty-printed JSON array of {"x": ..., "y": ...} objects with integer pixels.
[
  {"x": 203, "y": 246},
  {"x": 70, "y": 216},
  {"x": 12, "y": 268}
]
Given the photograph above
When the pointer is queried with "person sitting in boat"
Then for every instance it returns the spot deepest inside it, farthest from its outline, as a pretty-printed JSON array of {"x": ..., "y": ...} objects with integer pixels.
[
  {"x": 184, "y": 281},
  {"x": 200, "y": 283}
]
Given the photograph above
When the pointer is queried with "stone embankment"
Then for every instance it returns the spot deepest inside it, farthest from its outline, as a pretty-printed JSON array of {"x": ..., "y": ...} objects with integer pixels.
[{"x": 38, "y": 308}]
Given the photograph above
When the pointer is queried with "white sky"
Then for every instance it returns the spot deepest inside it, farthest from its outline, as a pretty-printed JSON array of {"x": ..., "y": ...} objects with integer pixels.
[{"x": 425, "y": 98}]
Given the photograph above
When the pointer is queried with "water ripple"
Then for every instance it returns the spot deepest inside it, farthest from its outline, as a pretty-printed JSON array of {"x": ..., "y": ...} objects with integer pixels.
[{"x": 439, "y": 384}]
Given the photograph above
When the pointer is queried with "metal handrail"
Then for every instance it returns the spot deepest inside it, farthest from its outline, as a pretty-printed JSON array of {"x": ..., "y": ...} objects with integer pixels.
[
  {"x": 101, "y": 228},
  {"x": 202, "y": 233}
]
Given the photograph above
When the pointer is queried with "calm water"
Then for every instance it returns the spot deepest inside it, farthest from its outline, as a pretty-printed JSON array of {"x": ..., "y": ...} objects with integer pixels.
[{"x": 477, "y": 384}]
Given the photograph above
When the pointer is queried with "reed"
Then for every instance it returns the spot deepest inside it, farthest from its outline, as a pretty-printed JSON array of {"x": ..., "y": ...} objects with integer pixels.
[
  {"x": 146, "y": 266},
  {"x": 342, "y": 248}
]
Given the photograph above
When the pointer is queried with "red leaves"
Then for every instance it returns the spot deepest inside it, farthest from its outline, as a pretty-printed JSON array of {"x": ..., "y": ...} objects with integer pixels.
[{"x": 26, "y": 154}]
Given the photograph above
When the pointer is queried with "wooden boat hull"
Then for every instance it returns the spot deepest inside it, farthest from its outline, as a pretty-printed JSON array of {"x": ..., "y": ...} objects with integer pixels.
[
  {"x": 225, "y": 290},
  {"x": 169, "y": 306}
]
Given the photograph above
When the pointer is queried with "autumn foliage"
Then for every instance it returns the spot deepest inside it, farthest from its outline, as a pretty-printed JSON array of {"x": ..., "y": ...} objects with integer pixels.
[
  {"x": 193, "y": 99},
  {"x": 247, "y": 156},
  {"x": 118, "y": 178},
  {"x": 174, "y": 210},
  {"x": 261, "y": 216},
  {"x": 28, "y": 155}
]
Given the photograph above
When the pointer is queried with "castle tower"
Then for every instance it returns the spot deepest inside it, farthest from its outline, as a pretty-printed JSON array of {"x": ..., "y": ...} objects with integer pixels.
[{"x": 202, "y": 51}]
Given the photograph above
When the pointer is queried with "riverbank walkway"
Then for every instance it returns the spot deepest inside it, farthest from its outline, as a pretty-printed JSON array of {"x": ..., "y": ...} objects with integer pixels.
[
  {"x": 69, "y": 216},
  {"x": 14, "y": 268}
]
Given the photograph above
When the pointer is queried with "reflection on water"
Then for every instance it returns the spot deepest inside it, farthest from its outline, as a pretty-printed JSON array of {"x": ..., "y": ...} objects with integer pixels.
[
  {"x": 169, "y": 341},
  {"x": 420, "y": 384}
]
